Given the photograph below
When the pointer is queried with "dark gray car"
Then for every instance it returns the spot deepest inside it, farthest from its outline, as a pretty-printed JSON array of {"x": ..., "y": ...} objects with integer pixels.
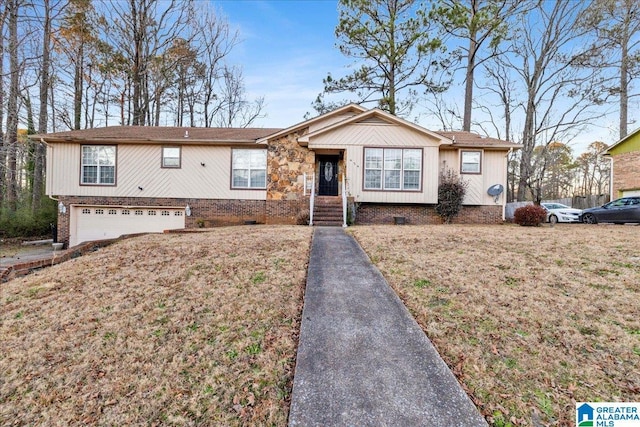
[{"x": 626, "y": 209}]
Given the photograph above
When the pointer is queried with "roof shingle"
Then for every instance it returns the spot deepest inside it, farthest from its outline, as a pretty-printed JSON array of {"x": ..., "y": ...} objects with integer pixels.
[{"x": 159, "y": 134}]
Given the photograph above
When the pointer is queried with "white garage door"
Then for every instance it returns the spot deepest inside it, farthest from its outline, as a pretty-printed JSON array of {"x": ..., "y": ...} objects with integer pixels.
[
  {"x": 104, "y": 222},
  {"x": 631, "y": 193}
]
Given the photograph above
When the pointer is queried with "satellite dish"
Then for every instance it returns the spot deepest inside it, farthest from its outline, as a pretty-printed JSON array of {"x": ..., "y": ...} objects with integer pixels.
[{"x": 495, "y": 191}]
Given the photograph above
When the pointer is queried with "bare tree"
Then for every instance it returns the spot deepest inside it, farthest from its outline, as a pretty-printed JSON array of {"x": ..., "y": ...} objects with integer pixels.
[
  {"x": 617, "y": 26},
  {"x": 43, "y": 115},
  {"x": 216, "y": 41},
  {"x": 11, "y": 134},
  {"x": 593, "y": 171},
  {"x": 142, "y": 30},
  {"x": 235, "y": 110},
  {"x": 4, "y": 10},
  {"x": 557, "y": 96}
]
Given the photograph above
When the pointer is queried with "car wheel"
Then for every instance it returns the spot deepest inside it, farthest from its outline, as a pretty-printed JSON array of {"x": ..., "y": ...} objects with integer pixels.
[
  {"x": 553, "y": 219},
  {"x": 589, "y": 219}
]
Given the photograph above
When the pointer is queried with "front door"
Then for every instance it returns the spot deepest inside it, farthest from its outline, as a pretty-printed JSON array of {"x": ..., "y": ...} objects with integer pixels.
[{"x": 328, "y": 184}]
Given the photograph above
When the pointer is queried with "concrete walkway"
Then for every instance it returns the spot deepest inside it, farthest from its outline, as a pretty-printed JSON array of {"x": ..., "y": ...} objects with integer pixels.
[{"x": 362, "y": 359}]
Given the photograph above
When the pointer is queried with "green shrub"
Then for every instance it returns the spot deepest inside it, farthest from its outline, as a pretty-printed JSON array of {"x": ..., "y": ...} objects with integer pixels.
[
  {"x": 24, "y": 223},
  {"x": 451, "y": 193},
  {"x": 530, "y": 215}
]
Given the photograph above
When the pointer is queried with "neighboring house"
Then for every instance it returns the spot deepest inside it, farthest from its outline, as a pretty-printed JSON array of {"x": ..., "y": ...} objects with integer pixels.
[
  {"x": 129, "y": 179},
  {"x": 625, "y": 170}
]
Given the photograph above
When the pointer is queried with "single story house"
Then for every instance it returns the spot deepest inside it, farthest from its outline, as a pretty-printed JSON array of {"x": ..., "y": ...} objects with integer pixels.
[
  {"x": 129, "y": 179},
  {"x": 625, "y": 170}
]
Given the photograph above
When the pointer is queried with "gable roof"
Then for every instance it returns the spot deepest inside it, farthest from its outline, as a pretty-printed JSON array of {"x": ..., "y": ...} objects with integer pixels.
[
  {"x": 463, "y": 139},
  {"x": 374, "y": 116},
  {"x": 158, "y": 134},
  {"x": 349, "y": 108},
  {"x": 618, "y": 147}
]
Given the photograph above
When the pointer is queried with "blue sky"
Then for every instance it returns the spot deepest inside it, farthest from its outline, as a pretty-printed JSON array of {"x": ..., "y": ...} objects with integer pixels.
[{"x": 287, "y": 48}]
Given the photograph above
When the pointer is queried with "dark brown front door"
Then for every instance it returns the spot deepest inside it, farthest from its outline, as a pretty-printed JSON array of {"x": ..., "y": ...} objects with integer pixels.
[{"x": 328, "y": 184}]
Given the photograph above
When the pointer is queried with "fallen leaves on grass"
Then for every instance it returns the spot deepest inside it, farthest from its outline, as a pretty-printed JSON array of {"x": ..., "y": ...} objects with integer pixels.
[
  {"x": 178, "y": 329},
  {"x": 530, "y": 320}
]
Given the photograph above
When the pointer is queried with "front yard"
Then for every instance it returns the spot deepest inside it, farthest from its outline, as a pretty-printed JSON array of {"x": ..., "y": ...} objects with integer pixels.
[
  {"x": 191, "y": 329},
  {"x": 201, "y": 328},
  {"x": 530, "y": 320}
]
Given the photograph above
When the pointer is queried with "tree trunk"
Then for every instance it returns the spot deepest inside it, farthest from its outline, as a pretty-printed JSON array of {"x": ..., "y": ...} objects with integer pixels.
[
  {"x": 3, "y": 156},
  {"x": 468, "y": 90},
  {"x": 11, "y": 136},
  {"x": 624, "y": 82},
  {"x": 43, "y": 116},
  {"x": 78, "y": 87}
]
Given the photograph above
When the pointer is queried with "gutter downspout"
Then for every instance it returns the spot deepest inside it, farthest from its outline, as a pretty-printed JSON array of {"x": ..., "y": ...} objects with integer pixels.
[
  {"x": 610, "y": 178},
  {"x": 506, "y": 181},
  {"x": 51, "y": 147}
]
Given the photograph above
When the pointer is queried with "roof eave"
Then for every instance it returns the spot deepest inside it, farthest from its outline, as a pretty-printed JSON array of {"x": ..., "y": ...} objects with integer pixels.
[
  {"x": 307, "y": 123},
  {"x": 155, "y": 141}
]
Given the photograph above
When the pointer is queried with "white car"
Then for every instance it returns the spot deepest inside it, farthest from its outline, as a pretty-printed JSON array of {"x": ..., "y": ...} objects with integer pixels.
[{"x": 557, "y": 212}]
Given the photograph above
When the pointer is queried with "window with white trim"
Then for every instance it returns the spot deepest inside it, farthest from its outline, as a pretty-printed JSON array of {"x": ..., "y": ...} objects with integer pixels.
[
  {"x": 98, "y": 165},
  {"x": 397, "y": 169},
  {"x": 171, "y": 157},
  {"x": 249, "y": 168},
  {"x": 470, "y": 161}
]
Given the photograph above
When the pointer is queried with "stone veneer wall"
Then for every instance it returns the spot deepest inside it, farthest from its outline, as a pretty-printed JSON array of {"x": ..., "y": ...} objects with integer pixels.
[
  {"x": 626, "y": 172},
  {"x": 287, "y": 162},
  {"x": 374, "y": 213},
  {"x": 204, "y": 212}
]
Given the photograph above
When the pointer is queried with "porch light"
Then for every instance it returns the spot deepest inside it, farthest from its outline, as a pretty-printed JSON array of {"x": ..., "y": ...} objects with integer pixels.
[
  {"x": 187, "y": 210},
  {"x": 62, "y": 208}
]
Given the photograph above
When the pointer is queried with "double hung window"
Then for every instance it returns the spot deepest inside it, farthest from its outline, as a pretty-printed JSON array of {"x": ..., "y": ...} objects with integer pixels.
[
  {"x": 98, "y": 165},
  {"x": 249, "y": 168},
  {"x": 470, "y": 161}
]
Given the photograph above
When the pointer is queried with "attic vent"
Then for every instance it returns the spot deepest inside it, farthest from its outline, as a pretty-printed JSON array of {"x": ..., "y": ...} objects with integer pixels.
[{"x": 374, "y": 120}]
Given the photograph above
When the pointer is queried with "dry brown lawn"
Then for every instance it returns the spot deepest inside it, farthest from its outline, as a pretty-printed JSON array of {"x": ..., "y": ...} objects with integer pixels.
[
  {"x": 179, "y": 329},
  {"x": 530, "y": 320}
]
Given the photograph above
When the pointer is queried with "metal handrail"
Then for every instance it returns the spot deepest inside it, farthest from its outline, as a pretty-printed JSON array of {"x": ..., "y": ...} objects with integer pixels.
[
  {"x": 344, "y": 202},
  {"x": 312, "y": 198}
]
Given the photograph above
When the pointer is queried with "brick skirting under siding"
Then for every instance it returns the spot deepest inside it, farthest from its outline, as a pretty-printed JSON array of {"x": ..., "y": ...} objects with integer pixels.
[
  {"x": 373, "y": 213},
  {"x": 204, "y": 212},
  {"x": 215, "y": 212}
]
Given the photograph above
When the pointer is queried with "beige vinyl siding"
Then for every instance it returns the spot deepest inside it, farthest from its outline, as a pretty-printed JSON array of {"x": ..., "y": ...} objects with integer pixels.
[
  {"x": 139, "y": 165},
  {"x": 372, "y": 135},
  {"x": 355, "y": 177},
  {"x": 354, "y": 138},
  {"x": 494, "y": 171},
  {"x": 329, "y": 121}
]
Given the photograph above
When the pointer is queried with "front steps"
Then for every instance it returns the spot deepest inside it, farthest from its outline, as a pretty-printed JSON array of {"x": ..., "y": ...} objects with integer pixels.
[{"x": 327, "y": 211}]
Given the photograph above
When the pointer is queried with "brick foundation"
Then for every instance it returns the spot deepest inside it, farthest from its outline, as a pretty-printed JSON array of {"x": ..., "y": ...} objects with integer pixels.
[
  {"x": 374, "y": 213},
  {"x": 204, "y": 212},
  {"x": 285, "y": 211}
]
